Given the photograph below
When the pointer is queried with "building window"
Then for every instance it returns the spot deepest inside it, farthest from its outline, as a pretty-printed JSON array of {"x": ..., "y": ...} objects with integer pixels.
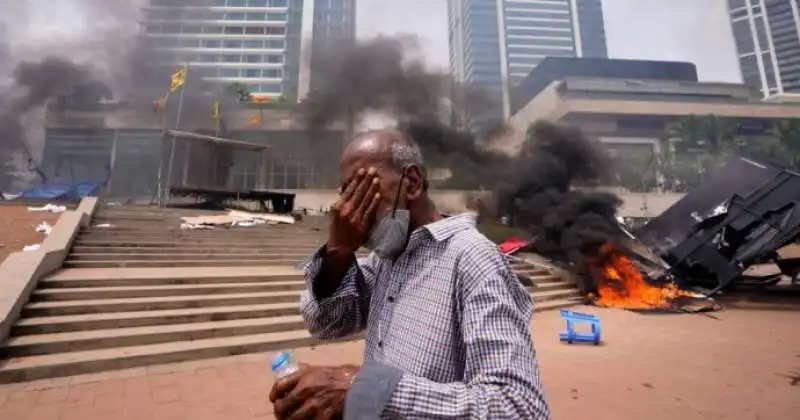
[
  {"x": 254, "y": 30},
  {"x": 232, "y": 43},
  {"x": 234, "y": 30},
  {"x": 252, "y": 73},
  {"x": 274, "y": 59},
  {"x": 234, "y": 16},
  {"x": 212, "y": 29},
  {"x": 275, "y": 30},
  {"x": 212, "y": 43},
  {"x": 269, "y": 88},
  {"x": 256, "y": 17},
  {"x": 229, "y": 73},
  {"x": 252, "y": 58},
  {"x": 231, "y": 58},
  {"x": 254, "y": 44}
]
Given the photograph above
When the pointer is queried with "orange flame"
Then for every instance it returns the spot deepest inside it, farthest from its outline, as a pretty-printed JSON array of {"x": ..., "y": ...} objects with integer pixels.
[{"x": 620, "y": 284}]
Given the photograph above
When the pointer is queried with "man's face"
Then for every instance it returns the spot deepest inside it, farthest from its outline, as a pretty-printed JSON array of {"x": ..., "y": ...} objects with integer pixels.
[{"x": 388, "y": 178}]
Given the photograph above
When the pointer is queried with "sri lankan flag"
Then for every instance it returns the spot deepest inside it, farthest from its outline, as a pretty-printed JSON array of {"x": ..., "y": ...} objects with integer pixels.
[{"x": 178, "y": 79}]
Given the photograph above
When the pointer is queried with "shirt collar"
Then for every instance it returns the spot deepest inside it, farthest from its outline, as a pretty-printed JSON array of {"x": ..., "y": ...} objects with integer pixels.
[{"x": 446, "y": 227}]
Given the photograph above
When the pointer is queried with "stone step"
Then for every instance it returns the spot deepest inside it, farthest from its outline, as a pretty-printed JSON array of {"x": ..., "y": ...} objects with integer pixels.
[
  {"x": 558, "y": 294},
  {"x": 91, "y": 361},
  {"x": 135, "y": 256},
  {"x": 122, "y": 292},
  {"x": 149, "y": 277},
  {"x": 553, "y": 304},
  {"x": 216, "y": 241},
  {"x": 83, "y": 243},
  {"x": 552, "y": 285},
  {"x": 182, "y": 263},
  {"x": 93, "y": 306},
  {"x": 40, "y": 344},
  {"x": 92, "y": 321},
  {"x": 243, "y": 232},
  {"x": 190, "y": 248}
]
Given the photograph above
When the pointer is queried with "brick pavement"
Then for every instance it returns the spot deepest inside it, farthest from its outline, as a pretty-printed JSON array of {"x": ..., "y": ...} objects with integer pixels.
[{"x": 738, "y": 364}]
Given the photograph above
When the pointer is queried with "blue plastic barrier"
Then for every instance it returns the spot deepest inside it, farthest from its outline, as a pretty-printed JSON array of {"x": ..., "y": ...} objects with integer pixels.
[
  {"x": 571, "y": 336},
  {"x": 62, "y": 192}
]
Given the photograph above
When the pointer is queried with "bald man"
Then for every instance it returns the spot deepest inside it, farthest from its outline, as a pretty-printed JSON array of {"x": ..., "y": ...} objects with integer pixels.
[{"x": 446, "y": 320}]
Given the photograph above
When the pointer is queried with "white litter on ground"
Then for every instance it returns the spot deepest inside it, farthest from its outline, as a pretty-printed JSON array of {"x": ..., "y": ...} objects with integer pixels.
[
  {"x": 104, "y": 225},
  {"x": 34, "y": 247},
  {"x": 234, "y": 218},
  {"x": 52, "y": 208},
  {"x": 44, "y": 227}
]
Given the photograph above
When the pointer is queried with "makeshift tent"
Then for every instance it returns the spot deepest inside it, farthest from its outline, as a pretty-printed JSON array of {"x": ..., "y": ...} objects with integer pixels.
[{"x": 62, "y": 192}]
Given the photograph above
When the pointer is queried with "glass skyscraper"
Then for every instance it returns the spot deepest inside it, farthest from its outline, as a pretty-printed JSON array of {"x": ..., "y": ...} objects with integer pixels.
[
  {"x": 263, "y": 44},
  {"x": 767, "y": 35},
  {"x": 494, "y": 44}
]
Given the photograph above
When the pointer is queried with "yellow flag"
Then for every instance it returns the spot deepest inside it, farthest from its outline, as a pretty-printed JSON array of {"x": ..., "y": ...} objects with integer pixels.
[
  {"x": 256, "y": 120},
  {"x": 178, "y": 78},
  {"x": 215, "y": 110}
]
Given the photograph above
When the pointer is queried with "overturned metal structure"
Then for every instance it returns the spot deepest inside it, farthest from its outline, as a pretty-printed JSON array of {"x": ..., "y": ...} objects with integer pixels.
[{"x": 742, "y": 216}]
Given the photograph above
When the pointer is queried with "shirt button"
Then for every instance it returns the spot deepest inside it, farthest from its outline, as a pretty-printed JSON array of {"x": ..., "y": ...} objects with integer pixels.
[{"x": 390, "y": 299}]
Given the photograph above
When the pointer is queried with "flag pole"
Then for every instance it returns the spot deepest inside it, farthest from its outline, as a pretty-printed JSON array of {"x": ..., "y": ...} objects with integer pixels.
[{"x": 177, "y": 127}]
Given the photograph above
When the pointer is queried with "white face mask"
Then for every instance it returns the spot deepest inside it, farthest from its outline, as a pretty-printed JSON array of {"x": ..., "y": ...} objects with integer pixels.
[{"x": 389, "y": 236}]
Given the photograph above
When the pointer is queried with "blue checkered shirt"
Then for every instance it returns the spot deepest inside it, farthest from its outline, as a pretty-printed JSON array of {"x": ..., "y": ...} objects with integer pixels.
[{"x": 447, "y": 329}]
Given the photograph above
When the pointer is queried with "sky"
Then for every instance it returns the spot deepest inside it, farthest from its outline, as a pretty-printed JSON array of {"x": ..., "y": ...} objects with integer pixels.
[{"x": 685, "y": 30}]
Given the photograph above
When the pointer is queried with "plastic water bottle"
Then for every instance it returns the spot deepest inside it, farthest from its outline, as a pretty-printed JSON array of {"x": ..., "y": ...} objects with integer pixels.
[{"x": 282, "y": 365}]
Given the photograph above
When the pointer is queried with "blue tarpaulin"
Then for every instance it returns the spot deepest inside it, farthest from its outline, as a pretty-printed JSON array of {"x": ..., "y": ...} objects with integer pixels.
[{"x": 62, "y": 192}]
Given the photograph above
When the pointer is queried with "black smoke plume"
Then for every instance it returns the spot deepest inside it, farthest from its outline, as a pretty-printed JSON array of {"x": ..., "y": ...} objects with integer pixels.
[
  {"x": 535, "y": 187},
  {"x": 383, "y": 74},
  {"x": 544, "y": 189},
  {"x": 111, "y": 63}
]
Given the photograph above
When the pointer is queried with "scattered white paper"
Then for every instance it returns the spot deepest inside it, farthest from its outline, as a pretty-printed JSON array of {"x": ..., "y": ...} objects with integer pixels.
[
  {"x": 44, "y": 227},
  {"x": 34, "y": 247},
  {"x": 194, "y": 226},
  {"x": 104, "y": 225},
  {"x": 52, "y": 208}
]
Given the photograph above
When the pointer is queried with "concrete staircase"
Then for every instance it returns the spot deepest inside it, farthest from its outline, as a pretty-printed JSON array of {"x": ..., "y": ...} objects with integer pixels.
[{"x": 143, "y": 292}]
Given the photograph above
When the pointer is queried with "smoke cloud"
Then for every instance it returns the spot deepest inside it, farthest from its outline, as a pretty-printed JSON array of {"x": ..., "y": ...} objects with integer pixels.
[
  {"x": 535, "y": 187},
  {"x": 106, "y": 60},
  {"x": 383, "y": 75}
]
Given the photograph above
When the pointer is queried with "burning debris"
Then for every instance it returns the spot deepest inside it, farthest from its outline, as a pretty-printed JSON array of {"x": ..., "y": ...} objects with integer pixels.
[{"x": 620, "y": 283}]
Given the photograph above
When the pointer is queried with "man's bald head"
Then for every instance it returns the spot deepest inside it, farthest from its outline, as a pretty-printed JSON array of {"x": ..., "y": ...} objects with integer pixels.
[{"x": 393, "y": 148}]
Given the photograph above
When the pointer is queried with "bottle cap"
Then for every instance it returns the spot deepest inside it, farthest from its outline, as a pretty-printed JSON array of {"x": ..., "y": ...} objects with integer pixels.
[{"x": 280, "y": 359}]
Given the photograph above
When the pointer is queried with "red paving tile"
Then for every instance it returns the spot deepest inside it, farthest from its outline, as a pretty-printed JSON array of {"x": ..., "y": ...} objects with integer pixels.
[{"x": 738, "y": 364}]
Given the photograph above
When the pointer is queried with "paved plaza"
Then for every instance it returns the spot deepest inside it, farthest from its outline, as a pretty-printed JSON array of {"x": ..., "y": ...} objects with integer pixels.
[{"x": 741, "y": 363}]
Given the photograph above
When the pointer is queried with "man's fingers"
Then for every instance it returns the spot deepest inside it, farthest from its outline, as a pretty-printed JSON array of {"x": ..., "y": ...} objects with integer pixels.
[
  {"x": 366, "y": 200},
  {"x": 364, "y": 185},
  {"x": 308, "y": 410},
  {"x": 284, "y": 385},
  {"x": 352, "y": 184},
  {"x": 367, "y": 215}
]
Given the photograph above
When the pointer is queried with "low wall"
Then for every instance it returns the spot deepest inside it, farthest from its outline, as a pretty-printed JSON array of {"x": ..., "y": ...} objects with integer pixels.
[
  {"x": 634, "y": 204},
  {"x": 21, "y": 271}
]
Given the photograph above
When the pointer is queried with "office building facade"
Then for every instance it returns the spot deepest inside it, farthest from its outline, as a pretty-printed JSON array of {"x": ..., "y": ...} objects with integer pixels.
[
  {"x": 767, "y": 36},
  {"x": 263, "y": 44},
  {"x": 494, "y": 44}
]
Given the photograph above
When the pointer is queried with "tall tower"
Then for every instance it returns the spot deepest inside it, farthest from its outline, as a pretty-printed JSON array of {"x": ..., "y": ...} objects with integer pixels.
[
  {"x": 334, "y": 27},
  {"x": 258, "y": 43},
  {"x": 767, "y": 36},
  {"x": 494, "y": 44}
]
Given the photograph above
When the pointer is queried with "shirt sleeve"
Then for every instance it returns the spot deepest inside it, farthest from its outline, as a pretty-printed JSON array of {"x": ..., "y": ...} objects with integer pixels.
[
  {"x": 501, "y": 378},
  {"x": 345, "y": 312}
]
